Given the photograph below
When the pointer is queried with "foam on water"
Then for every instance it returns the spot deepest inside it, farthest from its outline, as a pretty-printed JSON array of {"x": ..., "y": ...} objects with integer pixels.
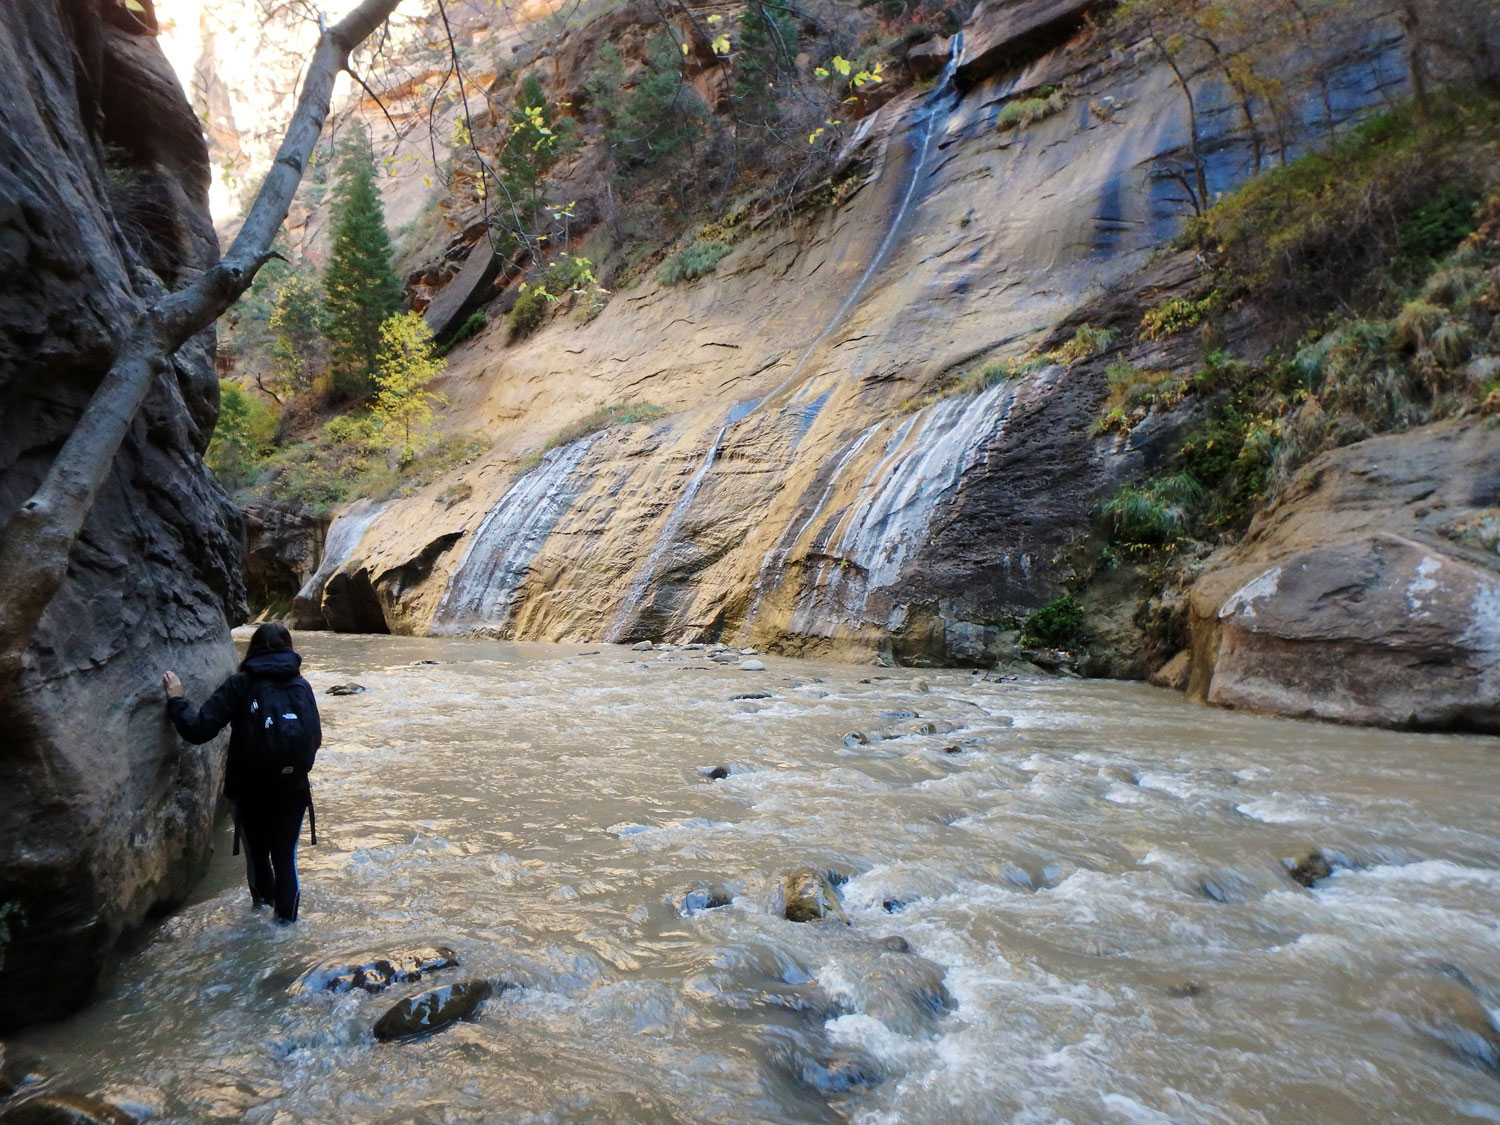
[{"x": 540, "y": 812}]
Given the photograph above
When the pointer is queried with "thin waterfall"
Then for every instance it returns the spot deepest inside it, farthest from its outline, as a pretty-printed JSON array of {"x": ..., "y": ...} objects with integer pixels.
[
  {"x": 508, "y": 540},
  {"x": 937, "y": 108},
  {"x": 630, "y": 606},
  {"x": 889, "y": 520},
  {"x": 339, "y": 544}
]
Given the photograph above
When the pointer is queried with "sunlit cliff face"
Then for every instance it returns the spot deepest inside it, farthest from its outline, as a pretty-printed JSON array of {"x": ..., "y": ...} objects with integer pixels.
[{"x": 239, "y": 69}]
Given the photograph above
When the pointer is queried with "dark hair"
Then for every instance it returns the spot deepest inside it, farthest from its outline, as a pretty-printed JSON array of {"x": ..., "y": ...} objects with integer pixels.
[{"x": 270, "y": 637}]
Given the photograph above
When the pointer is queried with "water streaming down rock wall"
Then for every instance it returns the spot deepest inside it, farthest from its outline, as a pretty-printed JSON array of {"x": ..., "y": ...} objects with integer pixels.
[
  {"x": 323, "y": 601},
  {"x": 478, "y": 596},
  {"x": 964, "y": 243}
]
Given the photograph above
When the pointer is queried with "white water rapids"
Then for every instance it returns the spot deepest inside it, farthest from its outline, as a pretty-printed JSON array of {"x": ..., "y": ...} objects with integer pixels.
[{"x": 542, "y": 812}]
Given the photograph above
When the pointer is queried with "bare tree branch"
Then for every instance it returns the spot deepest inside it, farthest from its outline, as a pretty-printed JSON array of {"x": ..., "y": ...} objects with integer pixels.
[{"x": 38, "y": 539}]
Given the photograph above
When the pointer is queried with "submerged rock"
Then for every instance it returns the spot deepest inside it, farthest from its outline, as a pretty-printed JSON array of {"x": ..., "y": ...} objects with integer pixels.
[
  {"x": 66, "y": 1109},
  {"x": 432, "y": 1011},
  {"x": 856, "y": 738},
  {"x": 714, "y": 896},
  {"x": 1444, "y": 1006},
  {"x": 810, "y": 895},
  {"x": 718, "y": 773},
  {"x": 345, "y": 689},
  {"x": 1307, "y": 867},
  {"x": 749, "y": 695},
  {"x": 376, "y": 973},
  {"x": 821, "y": 1066}
]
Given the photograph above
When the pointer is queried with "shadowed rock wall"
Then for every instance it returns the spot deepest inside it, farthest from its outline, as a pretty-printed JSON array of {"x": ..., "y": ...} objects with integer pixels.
[{"x": 104, "y": 816}]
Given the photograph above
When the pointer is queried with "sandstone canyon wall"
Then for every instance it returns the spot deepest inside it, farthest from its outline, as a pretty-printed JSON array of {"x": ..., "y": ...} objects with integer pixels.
[
  {"x": 812, "y": 487},
  {"x": 105, "y": 816}
]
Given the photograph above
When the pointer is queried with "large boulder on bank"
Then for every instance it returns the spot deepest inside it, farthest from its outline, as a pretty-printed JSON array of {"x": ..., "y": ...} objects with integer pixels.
[
  {"x": 1382, "y": 630},
  {"x": 106, "y": 816},
  {"x": 1365, "y": 595}
]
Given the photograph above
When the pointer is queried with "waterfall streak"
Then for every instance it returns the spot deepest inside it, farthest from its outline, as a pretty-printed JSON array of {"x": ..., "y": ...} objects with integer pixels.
[
  {"x": 508, "y": 540},
  {"x": 664, "y": 542}
]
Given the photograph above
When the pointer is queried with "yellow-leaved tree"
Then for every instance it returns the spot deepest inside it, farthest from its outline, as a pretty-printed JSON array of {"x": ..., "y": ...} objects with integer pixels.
[{"x": 407, "y": 363}]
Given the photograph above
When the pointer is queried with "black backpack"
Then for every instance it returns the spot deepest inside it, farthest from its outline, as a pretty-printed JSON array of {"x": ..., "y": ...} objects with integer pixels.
[{"x": 279, "y": 736}]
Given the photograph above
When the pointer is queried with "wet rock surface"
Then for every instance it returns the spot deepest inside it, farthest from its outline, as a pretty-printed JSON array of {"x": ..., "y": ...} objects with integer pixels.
[
  {"x": 103, "y": 202},
  {"x": 1444, "y": 1006},
  {"x": 373, "y": 973},
  {"x": 66, "y": 1109},
  {"x": 809, "y": 895},
  {"x": 432, "y": 1011}
]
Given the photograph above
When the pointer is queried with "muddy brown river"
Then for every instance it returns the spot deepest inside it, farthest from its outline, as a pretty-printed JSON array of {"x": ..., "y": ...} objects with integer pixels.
[{"x": 1088, "y": 877}]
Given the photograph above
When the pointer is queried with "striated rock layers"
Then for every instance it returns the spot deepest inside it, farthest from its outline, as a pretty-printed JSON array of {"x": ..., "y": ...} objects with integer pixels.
[
  {"x": 104, "y": 815},
  {"x": 824, "y": 478},
  {"x": 1370, "y": 593}
]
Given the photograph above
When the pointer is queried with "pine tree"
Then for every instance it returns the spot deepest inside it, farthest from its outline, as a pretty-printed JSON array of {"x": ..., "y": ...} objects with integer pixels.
[
  {"x": 296, "y": 326},
  {"x": 403, "y": 407},
  {"x": 767, "y": 50},
  {"x": 361, "y": 286},
  {"x": 531, "y": 147}
]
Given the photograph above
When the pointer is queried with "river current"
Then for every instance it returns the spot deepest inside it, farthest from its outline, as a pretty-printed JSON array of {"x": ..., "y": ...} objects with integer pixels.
[{"x": 1088, "y": 876}]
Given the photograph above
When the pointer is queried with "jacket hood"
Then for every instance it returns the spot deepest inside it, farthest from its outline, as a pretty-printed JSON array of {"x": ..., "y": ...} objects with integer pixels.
[{"x": 282, "y": 665}]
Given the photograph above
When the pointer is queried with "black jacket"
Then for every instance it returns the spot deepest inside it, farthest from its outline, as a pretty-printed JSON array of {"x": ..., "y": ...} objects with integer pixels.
[{"x": 230, "y": 706}]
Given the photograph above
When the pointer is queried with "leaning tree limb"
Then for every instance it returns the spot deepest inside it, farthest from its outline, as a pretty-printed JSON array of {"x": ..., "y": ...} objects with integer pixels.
[{"x": 37, "y": 541}]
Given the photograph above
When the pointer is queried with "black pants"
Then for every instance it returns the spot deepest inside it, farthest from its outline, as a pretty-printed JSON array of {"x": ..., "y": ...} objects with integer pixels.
[{"x": 270, "y": 822}]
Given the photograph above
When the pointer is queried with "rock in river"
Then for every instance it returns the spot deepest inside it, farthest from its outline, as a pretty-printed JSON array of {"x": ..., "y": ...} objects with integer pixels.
[
  {"x": 809, "y": 895},
  {"x": 66, "y": 1109},
  {"x": 1442, "y": 1004},
  {"x": 373, "y": 973},
  {"x": 1307, "y": 867},
  {"x": 431, "y": 1011},
  {"x": 345, "y": 689}
]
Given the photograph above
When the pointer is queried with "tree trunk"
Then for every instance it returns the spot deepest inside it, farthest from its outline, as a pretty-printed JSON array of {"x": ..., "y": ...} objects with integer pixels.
[
  {"x": 1411, "y": 27},
  {"x": 37, "y": 541}
]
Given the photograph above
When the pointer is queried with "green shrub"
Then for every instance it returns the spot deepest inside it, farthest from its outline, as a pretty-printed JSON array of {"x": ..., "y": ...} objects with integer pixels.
[
  {"x": 1156, "y": 514},
  {"x": 1022, "y": 112},
  {"x": 1177, "y": 315},
  {"x": 1354, "y": 224},
  {"x": 688, "y": 265},
  {"x": 473, "y": 326},
  {"x": 527, "y": 314},
  {"x": 243, "y": 436},
  {"x": 1058, "y": 624}
]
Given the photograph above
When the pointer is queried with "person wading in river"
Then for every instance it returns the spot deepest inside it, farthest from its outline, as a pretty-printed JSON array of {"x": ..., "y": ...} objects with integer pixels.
[{"x": 274, "y": 734}]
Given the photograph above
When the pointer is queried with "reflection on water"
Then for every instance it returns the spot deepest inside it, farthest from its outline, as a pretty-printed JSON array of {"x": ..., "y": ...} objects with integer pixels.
[{"x": 1091, "y": 871}]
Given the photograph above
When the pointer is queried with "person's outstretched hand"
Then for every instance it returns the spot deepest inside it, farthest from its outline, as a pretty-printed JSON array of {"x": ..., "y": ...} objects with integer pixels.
[{"x": 171, "y": 685}]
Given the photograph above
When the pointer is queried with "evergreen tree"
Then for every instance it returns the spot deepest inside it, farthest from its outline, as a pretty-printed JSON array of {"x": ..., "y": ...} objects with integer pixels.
[
  {"x": 531, "y": 148},
  {"x": 403, "y": 407},
  {"x": 297, "y": 340},
  {"x": 767, "y": 50},
  {"x": 361, "y": 286}
]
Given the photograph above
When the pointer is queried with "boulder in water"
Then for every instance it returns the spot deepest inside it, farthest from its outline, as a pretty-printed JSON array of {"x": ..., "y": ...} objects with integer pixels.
[
  {"x": 821, "y": 1066},
  {"x": 1443, "y": 1005},
  {"x": 752, "y": 666},
  {"x": 749, "y": 695},
  {"x": 432, "y": 1011},
  {"x": 920, "y": 685},
  {"x": 345, "y": 689},
  {"x": 1307, "y": 867},
  {"x": 372, "y": 974},
  {"x": 67, "y": 1109},
  {"x": 713, "y": 896},
  {"x": 717, "y": 773},
  {"x": 810, "y": 895},
  {"x": 641, "y": 646},
  {"x": 932, "y": 726}
]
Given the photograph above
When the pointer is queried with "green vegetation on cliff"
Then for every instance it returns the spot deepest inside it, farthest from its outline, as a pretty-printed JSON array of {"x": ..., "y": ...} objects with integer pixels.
[{"x": 1351, "y": 293}]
